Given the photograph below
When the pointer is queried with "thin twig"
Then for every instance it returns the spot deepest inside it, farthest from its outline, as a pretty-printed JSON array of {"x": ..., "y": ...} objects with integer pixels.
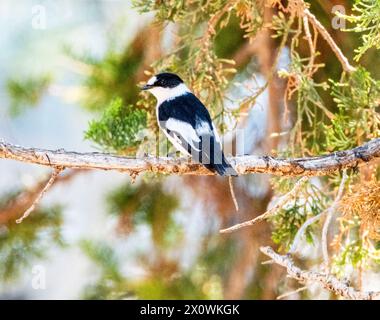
[
  {"x": 54, "y": 175},
  {"x": 330, "y": 212},
  {"x": 326, "y": 35},
  {"x": 327, "y": 281},
  {"x": 283, "y": 201},
  {"x": 310, "y": 41},
  {"x": 287, "y": 294},
  {"x": 233, "y": 196},
  {"x": 12, "y": 208},
  {"x": 310, "y": 221},
  {"x": 301, "y": 231}
]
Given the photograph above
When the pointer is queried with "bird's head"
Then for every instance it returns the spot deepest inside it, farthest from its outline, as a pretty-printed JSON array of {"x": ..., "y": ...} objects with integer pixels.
[{"x": 165, "y": 86}]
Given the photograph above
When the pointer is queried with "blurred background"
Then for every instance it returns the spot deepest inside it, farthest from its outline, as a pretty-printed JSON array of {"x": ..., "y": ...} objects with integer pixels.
[
  {"x": 68, "y": 70},
  {"x": 101, "y": 236}
]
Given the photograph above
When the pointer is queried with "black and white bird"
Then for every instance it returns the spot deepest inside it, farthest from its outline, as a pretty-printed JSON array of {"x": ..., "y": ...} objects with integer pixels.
[{"x": 187, "y": 123}]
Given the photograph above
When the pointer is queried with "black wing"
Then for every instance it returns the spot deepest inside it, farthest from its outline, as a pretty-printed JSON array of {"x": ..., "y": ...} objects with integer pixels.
[{"x": 187, "y": 122}]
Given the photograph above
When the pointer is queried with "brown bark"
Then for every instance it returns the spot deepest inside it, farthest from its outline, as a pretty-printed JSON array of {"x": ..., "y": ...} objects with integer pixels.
[{"x": 308, "y": 166}]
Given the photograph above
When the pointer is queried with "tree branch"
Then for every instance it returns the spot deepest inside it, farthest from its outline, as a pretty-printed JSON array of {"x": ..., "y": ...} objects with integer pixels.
[
  {"x": 35, "y": 203},
  {"x": 312, "y": 166},
  {"x": 283, "y": 201},
  {"x": 16, "y": 206},
  {"x": 305, "y": 12},
  {"x": 329, "y": 216},
  {"x": 322, "y": 30},
  {"x": 313, "y": 219},
  {"x": 327, "y": 281}
]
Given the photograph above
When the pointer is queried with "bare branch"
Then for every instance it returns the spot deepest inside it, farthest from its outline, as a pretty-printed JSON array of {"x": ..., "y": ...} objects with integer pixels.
[
  {"x": 327, "y": 281},
  {"x": 233, "y": 196},
  {"x": 311, "y": 43},
  {"x": 330, "y": 212},
  {"x": 310, "y": 221},
  {"x": 302, "y": 230},
  {"x": 12, "y": 208},
  {"x": 325, "y": 34},
  {"x": 287, "y": 294},
  {"x": 283, "y": 201},
  {"x": 54, "y": 175},
  {"x": 311, "y": 166},
  {"x": 301, "y": 8}
]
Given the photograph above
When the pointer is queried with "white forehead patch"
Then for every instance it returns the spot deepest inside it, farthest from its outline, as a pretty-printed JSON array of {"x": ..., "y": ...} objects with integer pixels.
[{"x": 152, "y": 80}]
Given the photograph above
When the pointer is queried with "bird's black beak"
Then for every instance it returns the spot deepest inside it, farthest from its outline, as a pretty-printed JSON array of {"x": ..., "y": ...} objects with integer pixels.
[{"x": 146, "y": 87}]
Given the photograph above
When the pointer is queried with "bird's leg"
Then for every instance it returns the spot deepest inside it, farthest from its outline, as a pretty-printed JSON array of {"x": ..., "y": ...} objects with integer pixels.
[
  {"x": 172, "y": 154},
  {"x": 178, "y": 154},
  {"x": 149, "y": 155}
]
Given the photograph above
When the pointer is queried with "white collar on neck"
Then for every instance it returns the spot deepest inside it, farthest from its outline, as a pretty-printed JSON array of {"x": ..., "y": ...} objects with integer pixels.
[{"x": 165, "y": 94}]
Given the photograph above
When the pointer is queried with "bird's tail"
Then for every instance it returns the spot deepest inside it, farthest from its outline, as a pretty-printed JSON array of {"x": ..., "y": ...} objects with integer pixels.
[
  {"x": 224, "y": 168},
  {"x": 212, "y": 157}
]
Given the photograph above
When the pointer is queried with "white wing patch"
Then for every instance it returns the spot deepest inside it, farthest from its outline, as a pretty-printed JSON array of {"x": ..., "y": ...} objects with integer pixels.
[
  {"x": 188, "y": 133},
  {"x": 176, "y": 142},
  {"x": 185, "y": 130},
  {"x": 204, "y": 129}
]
